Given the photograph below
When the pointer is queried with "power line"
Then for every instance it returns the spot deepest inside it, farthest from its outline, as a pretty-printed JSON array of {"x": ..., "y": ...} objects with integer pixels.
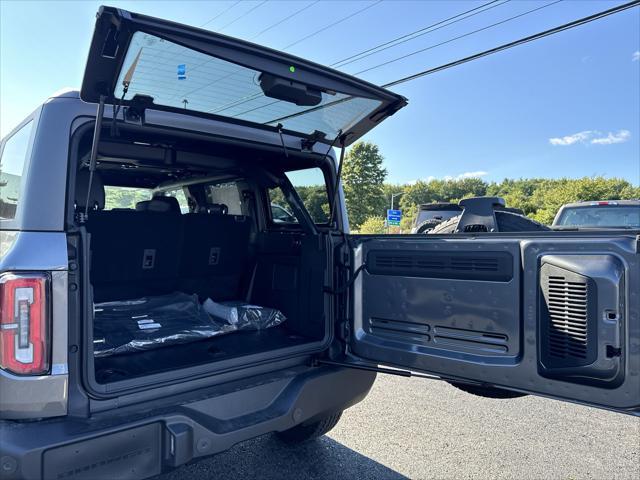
[
  {"x": 220, "y": 14},
  {"x": 515, "y": 43},
  {"x": 284, "y": 19},
  {"x": 417, "y": 33},
  {"x": 257, "y": 95},
  {"x": 473, "y": 32},
  {"x": 506, "y": 46},
  {"x": 343, "y": 19},
  {"x": 242, "y": 16}
]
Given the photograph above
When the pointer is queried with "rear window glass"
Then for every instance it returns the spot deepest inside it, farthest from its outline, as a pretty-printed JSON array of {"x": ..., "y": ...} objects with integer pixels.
[
  {"x": 601, "y": 216},
  {"x": 225, "y": 194},
  {"x": 125, "y": 197},
  {"x": 176, "y": 76},
  {"x": 12, "y": 162}
]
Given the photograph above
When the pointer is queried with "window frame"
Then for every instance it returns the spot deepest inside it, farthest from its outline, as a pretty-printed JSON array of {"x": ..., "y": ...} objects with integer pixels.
[
  {"x": 15, "y": 223},
  {"x": 297, "y": 226}
]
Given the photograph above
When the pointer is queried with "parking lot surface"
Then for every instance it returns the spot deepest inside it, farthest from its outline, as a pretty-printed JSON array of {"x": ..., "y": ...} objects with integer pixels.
[{"x": 420, "y": 429}]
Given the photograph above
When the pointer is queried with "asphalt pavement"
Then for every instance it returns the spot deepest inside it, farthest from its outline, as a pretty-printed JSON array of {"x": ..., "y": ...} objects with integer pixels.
[{"x": 421, "y": 429}]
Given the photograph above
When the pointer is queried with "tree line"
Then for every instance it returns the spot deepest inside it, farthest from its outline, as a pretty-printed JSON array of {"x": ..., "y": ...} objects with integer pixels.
[{"x": 368, "y": 195}]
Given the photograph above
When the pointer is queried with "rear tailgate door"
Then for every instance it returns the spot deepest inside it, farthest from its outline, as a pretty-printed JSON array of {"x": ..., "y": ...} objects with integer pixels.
[
  {"x": 552, "y": 314},
  {"x": 175, "y": 67}
]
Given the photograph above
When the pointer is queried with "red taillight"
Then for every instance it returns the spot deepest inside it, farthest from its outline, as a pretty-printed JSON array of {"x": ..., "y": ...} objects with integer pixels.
[{"x": 24, "y": 323}]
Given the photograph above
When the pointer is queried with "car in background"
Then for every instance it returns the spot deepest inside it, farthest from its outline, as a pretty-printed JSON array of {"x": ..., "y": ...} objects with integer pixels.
[
  {"x": 599, "y": 214},
  {"x": 279, "y": 214},
  {"x": 431, "y": 214}
]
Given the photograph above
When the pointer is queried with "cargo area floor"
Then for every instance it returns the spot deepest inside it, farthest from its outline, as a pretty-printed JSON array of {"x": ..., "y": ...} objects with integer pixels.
[{"x": 123, "y": 367}]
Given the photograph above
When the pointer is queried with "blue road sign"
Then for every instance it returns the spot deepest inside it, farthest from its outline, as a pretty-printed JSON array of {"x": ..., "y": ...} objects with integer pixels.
[{"x": 394, "y": 217}]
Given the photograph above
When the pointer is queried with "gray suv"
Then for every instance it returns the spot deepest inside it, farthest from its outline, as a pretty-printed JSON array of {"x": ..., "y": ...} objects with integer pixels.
[{"x": 137, "y": 206}]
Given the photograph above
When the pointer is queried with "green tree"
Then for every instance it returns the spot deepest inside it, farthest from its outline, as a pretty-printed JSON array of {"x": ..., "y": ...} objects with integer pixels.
[
  {"x": 373, "y": 225},
  {"x": 518, "y": 193},
  {"x": 552, "y": 194},
  {"x": 363, "y": 178},
  {"x": 125, "y": 197},
  {"x": 315, "y": 201}
]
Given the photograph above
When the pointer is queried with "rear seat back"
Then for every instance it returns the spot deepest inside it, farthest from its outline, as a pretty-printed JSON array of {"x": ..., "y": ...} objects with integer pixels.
[
  {"x": 135, "y": 253},
  {"x": 214, "y": 256},
  {"x": 154, "y": 249}
]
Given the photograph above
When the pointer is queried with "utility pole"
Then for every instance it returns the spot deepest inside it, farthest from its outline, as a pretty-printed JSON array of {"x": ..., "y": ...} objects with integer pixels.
[{"x": 394, "y": 195}]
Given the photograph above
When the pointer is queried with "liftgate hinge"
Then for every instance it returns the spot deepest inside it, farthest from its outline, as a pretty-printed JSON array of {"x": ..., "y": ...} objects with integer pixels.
[{"x": 317, "y": 362}]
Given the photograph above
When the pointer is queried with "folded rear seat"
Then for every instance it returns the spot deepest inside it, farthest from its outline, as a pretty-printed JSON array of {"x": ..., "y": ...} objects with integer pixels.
[
  {"x": 155, "y": 250},
  {"x": 214, "y": 256},
  {"x": 134, "y": 252}
]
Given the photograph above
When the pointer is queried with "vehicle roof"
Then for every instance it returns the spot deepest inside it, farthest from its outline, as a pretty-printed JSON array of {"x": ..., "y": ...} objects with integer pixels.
[
  {"x": 66, "y": 93},
  {"x": 596, "y": 203},
  {"x": 440, "y": 206}
]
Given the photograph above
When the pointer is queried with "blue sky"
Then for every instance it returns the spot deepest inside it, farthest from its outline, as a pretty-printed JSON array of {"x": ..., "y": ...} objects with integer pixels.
[{"x": 568, "y": 105}]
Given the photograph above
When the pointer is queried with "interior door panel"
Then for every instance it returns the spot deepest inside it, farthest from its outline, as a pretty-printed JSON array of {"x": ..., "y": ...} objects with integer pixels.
[{"x": 552, "y": 315}]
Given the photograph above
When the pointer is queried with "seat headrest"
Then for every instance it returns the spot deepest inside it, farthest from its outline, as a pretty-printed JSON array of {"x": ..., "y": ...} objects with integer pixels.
[
  {"x": 159, "y": 204},
  {"x": 217, "y": 209},
  {"x": 96, "y": 196}
]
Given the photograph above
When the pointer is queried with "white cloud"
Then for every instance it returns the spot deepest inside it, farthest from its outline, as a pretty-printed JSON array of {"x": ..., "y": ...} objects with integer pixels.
[
  {"x": 592, "y": 137},
  {"x": 579, "y": 137},
  {"x": 635, "y": 57},
  {"x": 477, "y": 174},
  {"x": 619, "y": 137},
  {"x": 461, "y": 176}
]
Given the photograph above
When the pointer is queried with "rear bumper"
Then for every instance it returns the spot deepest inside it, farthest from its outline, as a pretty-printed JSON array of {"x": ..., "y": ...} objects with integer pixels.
[{"x": 134, "y": 445}]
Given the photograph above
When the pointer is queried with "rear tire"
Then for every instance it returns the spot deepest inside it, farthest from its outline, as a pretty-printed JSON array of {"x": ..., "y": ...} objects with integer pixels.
[
  {"x": 305, "y": 433},
  {"x": 446, "y": 227},
  {"x": 427, "y": 225}
]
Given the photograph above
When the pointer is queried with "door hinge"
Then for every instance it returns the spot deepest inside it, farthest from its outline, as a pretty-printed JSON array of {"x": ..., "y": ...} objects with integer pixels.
[
  {"x": 343, "y": 330},
  {"x": 134, "y": 113},
  {"x": 306, "y": 144},
  {"x": 317, "y": 362}
]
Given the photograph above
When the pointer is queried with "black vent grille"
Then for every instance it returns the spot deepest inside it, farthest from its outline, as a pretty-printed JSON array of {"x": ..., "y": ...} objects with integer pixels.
[
  {"x": 476, "y": 264},
  {"x": 568, "y": 324},
  {"x": 495, "y": 266},
  {"x": 567, "y": 304}
]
